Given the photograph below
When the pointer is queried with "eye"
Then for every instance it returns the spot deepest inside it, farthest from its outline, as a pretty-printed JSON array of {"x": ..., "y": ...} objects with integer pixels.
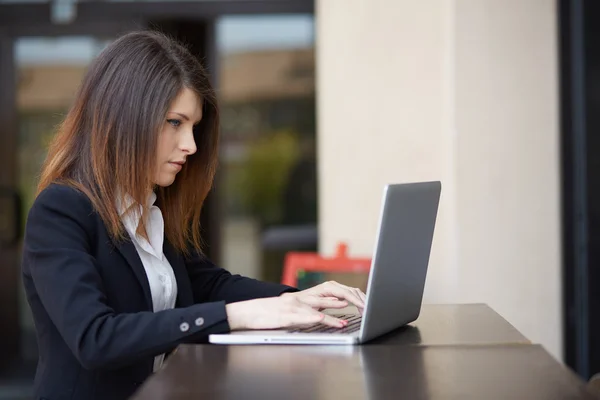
[{"x": 174, "y": 122}]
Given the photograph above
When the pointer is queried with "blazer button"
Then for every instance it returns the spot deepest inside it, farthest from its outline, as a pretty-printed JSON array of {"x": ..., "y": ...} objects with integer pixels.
[
  {"x": 184, "y": 327},
  {"x": 199, "y": 321}
]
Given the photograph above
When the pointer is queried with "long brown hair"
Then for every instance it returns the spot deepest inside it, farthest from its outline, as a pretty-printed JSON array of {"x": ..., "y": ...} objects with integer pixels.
[{"x": 107, "y": 144}]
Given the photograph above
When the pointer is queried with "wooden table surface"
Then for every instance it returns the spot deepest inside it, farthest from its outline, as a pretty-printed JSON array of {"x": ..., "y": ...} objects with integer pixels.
[
  {"x": 456, "y": 325},
  {"x": 450, "y": 352},
  {"x": 363, "y": 372}
]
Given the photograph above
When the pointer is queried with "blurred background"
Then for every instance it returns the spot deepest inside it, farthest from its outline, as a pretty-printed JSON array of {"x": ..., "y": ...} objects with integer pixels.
[{"x": 323, "y": 103}]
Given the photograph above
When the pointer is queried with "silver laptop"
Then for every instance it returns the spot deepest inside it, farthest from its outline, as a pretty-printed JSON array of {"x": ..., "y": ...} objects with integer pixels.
[{"x": 396, "y": 278}]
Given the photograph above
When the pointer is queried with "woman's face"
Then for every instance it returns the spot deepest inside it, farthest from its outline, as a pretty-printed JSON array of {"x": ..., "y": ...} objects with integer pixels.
[{"x": 176, "y": 138}]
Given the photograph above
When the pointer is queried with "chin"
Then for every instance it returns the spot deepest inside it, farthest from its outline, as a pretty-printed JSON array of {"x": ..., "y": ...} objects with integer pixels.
[{"x": 165, "y": 181}]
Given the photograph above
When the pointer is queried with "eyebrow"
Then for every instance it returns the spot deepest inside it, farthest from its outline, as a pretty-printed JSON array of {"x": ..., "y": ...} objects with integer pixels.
[{"x": 184, "y": 116}]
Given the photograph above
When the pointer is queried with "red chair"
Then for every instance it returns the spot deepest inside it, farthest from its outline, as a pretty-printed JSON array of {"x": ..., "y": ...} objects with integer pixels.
[{"x": 297, "y": 263}]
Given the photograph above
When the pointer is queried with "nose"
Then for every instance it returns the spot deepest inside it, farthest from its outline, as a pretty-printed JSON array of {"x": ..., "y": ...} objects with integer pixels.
[{"x": 187, "y": 143}]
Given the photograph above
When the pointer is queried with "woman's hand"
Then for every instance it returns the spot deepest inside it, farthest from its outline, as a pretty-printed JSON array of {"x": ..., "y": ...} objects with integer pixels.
[
  {"x": 331, "y": 295},
  {"x": 294, "y": 309}
]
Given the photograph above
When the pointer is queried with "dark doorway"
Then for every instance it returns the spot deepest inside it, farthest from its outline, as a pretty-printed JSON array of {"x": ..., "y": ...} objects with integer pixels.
[{"x": 579, "y": 35}]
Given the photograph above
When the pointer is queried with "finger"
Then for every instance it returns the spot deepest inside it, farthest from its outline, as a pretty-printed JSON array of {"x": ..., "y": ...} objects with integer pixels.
[
  {"x": 332, "y": 321},
  {"x": 344, "y": 292},
  {"x": 304, "y": 318},
  {"x": 323, "y": 302},
  {"x": 359, "y": 293},
  {"x": 304, "y": 309},
  {"x": 305, "y": 314}
]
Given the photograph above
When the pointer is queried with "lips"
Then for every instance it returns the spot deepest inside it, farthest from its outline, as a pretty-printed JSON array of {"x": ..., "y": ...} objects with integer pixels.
[{"x": 177, "y": 164}]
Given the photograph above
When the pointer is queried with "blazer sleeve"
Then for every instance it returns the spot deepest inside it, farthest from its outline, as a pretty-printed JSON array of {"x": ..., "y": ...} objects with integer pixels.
[
  {"x": 211, "y": 283},
  {"x": 57, "y": 256}
]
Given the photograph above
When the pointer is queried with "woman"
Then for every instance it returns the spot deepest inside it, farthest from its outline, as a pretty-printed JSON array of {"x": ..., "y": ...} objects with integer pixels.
[{"x": 112, "y": 263}]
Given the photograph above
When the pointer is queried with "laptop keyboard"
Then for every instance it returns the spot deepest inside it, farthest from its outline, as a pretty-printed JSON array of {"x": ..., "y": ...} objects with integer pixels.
[{"x": 354, "y": 321}]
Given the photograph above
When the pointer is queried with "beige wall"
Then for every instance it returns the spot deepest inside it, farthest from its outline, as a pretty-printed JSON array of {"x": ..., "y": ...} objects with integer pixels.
[{"x": 464, "y": 91}]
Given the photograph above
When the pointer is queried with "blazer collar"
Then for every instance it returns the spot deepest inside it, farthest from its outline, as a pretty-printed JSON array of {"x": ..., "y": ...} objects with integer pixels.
[
  {"x": 185, "y": 295},
  {"x": 127, "y": 249}
]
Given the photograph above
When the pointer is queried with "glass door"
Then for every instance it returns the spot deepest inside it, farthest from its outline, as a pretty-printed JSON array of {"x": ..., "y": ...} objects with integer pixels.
[
  {"x": 268, "y": 186},
  {"x": 47, "y": 72},
  {"x": 41, "y": 64}
]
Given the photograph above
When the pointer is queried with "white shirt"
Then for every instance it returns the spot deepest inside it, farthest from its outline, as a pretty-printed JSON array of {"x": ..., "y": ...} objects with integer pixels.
[{"x": 161, "y": 278}]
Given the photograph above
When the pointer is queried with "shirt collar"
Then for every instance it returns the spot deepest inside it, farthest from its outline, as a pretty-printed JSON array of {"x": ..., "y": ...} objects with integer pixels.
[{"x": 125, "y": 202}]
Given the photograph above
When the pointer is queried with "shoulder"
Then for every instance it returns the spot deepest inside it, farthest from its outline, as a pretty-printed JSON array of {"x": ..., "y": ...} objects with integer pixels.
[
  {"x": 61, "y": 199},
  {"x": 63, "y": 195},
  {"x": 60, "y": 217}
]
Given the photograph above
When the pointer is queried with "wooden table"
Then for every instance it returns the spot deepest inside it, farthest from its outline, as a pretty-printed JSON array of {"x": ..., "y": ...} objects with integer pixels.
[
  {"x": 450, "y": 352},
  {"x": 456, "y": 325},
  {"x": 363, "y": 372}
]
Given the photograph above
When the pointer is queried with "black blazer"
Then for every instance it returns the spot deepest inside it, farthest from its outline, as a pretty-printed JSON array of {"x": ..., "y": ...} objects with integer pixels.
[{"x": 92, "y": 306}]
